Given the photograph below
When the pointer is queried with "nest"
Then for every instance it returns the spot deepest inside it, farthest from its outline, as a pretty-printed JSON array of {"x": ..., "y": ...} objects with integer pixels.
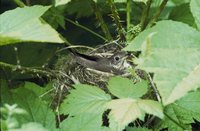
[{"x": 70, "y": 72}]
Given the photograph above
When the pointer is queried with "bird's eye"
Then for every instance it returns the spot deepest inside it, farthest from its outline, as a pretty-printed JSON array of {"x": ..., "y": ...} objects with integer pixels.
[{"x": 116, "y": 58}]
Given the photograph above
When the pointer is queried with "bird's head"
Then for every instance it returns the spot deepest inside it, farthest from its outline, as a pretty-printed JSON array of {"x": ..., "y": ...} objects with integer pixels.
[{"x": 118, "y": 60}]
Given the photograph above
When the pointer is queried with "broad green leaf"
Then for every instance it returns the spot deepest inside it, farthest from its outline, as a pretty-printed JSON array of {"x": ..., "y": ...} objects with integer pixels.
[
  {"x": 178, "y": 115},
  {"x": 85, "y": 99},
  {"x": 151, "y": 107},
  {"x": 28, "y": 98},
  {"x": 190, "y": 82},
  {"x": 25, "y": 24},
  {"x": 131, "y": 110},
  {"x": 83, "y": 122},
  {"x": 123, "y": 111},
  {"x": 61, "y": 2},
  {"x": 173, "y": 56},
  {"x": 195, "y": 9},
  {"x": 32, "y": 126},
  {"x": 125, "y": 88},
  {"x": 184, "y": 111},
  {"x": 191, "y": 103}
]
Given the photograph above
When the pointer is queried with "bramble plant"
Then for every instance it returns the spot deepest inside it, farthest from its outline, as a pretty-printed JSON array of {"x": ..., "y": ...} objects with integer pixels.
[{"x": 164, "y": 36}]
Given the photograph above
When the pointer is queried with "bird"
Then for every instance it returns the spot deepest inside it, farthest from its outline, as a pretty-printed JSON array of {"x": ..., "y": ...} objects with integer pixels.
[{"x": 115, "y": 64}]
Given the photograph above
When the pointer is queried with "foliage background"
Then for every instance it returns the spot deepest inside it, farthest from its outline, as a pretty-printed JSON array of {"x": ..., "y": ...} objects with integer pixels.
[{"x": 170, "y": 50}]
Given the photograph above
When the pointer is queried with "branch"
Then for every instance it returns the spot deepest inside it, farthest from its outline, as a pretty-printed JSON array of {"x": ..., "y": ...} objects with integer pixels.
[
  {"x": 27, "y": 70},
  {"x": 85, "y": 28},
  {"x": 157, "y": 96}
]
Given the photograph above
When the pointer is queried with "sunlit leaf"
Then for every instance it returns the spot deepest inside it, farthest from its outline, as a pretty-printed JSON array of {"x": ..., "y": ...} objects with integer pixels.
[
  {"x": 124, "y": 111},
  {"x": 25, "y": 24},
  {"x": 61, "y": 2},
  {"x": 174, "y": 58},
  {"x": 195, "y": 9}
]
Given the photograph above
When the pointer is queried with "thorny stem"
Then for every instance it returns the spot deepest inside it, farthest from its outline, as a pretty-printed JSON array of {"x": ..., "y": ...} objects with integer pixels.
[
  {"x": 145, "y": 14},
  {"x": 157, "y": 14},
  {"x": 116, "y": 18},
  {"x": 101, "y": 20},
  {"x": 85, "y": 28},
  {"x": 157, "y": 96},
  {"x": 128, "y": 14},
  {"x": 154, "y": 88}
]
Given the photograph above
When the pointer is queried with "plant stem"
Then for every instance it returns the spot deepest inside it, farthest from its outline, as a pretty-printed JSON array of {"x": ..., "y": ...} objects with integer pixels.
[
  {"x": 27, "y": 70},
  {"x": 85, "y": 28},
  {"x": 128, "y": 14},
  {"x": 101, "y": 20},
  {"x": 19, "y": 3},
  {"x": 116, "y": 18},
  {"x": 157, "y": 14},
  {"x": 145, "y": 14}
]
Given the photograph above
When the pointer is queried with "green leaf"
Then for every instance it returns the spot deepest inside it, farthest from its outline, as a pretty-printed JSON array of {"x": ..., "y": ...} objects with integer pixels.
[
  {"x": 27, "y": 98},
  {"x": 183, "y": 14},
  {"x": 137, "y": 129},
  {"x": 61, "y": 2},
  {"x": 83, "y": 122},
  {"x": 195, "y": 9},
  {"x": 151, "y": 107},
  {"x": 173, "y": 58},
  {"x": 32, "y": 126},
  {"x": 176, "y": 115},
  {"x": 125, "y": 88},
  {"x": 85, "y": 99},
  {"x": 131, "y": 110},
  {"x": 25, "y": 24},
  {"x": 179, "y": 2},
  {"x": 184, "y": 111},
  {"x": 191, "y": 103},
  {"x": 144, "y": 1}
]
